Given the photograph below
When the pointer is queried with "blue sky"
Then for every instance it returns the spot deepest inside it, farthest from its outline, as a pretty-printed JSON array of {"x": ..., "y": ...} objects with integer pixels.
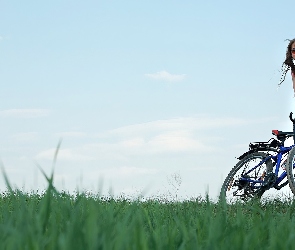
[{"x": 158, "y": 96}]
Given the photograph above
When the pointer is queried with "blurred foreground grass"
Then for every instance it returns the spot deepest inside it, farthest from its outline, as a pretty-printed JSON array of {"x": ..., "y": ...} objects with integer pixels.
[
  {"x": 58, "y": 220},
  {"x": 54, "y": 220}
]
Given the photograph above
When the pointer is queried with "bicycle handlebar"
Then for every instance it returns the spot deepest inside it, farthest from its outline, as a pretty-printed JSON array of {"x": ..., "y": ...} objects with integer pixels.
[
  {"x": 293, "y": 121},
  {"x": 291, "y": 117}
]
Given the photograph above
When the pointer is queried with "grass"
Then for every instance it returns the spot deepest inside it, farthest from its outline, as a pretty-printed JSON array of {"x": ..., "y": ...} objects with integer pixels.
[{"x": 57, "y": 220}]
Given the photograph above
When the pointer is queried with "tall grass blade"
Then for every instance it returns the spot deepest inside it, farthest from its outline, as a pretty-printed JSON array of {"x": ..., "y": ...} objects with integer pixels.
[{"x": 6, "y": 178}]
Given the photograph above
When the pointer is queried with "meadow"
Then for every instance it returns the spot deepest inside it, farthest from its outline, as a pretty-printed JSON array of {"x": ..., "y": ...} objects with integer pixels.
[{"x": 58, "y": 220}]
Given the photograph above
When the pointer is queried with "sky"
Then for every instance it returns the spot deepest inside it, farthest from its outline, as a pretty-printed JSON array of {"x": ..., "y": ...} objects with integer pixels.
[{"x": 153, "y": 98}]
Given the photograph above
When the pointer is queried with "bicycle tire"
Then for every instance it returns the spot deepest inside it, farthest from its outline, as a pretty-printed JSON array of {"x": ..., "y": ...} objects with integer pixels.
[
  {"x": 290, "y": 169},
  {"x": 232, "y": 191}
]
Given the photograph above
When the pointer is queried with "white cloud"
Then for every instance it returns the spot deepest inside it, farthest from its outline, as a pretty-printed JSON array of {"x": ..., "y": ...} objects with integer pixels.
[
  {"x": 200, "y": 122},
  {"x": 161, "y": 143},
  {"x": 177, "y": 141},
  {"x": 24, "y": 113},
  {"x": 71, "y": 134},
  {"x": 25, "y": 137},
  {"x": 140, "y": 154},
  {"x": 188, "y": 135},
  {"x": 63, "y": 154},
  {"x": 126, "y": 171},
  {"x": 4, "y": 38},
  {"x": 178, "y": 135},
  {"x": 166, "y": 76}
]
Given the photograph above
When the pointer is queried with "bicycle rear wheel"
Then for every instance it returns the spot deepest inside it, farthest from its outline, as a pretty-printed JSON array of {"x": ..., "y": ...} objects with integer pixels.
[
  {"x": 290, "y": 169},
  {"x": 234, "y": 189}
]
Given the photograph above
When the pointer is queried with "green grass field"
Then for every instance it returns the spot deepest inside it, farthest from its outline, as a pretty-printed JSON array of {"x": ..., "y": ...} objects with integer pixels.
[{"x": 54, "y": 220}]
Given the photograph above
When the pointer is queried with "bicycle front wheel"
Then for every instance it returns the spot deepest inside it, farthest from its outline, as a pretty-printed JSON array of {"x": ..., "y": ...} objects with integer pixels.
[
  {"x": 234, "y": 188},
  {"x": 290, "y": 169}
]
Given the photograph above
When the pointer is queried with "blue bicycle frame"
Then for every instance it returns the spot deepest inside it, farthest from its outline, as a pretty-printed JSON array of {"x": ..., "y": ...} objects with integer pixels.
[{"x": 277, "y": 158}]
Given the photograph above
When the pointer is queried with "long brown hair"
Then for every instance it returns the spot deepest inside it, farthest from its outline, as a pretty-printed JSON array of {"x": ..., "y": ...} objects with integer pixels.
[{"x": 288, "y": 63}]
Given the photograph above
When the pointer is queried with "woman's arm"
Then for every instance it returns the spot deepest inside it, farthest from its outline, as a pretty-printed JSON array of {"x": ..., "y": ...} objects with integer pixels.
[{"x": 293, "y": 80}]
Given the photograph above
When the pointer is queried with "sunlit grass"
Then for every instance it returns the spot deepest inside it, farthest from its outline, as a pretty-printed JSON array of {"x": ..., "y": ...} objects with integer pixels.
[{"x": 58, "y": 220}]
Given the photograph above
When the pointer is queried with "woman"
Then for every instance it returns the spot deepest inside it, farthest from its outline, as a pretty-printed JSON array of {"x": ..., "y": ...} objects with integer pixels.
[{"x": 288, "y": 63}]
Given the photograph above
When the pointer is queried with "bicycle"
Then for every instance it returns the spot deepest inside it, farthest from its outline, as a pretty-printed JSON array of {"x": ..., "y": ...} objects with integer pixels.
[{"x": 258, "y": 169}]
